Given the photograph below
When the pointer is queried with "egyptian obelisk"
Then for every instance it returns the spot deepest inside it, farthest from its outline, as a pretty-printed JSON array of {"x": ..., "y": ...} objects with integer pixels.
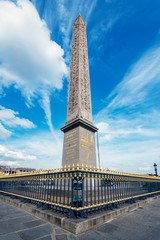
[{"x": 79, "y": 131}]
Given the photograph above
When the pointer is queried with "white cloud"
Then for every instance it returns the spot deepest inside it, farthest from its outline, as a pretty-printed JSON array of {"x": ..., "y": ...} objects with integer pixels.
[
  {"x": 9, "y": 118},
  {"x": 10, "y": 163},
  {"x": 44, "y": 146},
  {"x": 4, "y": 133},
  {"x": 130, "y": 156},
  {"x": 147, "y": 168},
  {"x": 129, "y": 125},
  {"x": 101, "y": 29},
  {"x": 142, "y": 77},
  {"x": 130, "y": 143},
  {"x": 40, "y": 150},
  {"x": 30, "y": 61},
  {"x": 90, "y": 10},
  {"x": 123, "y": 126},
  {"x": 8, "y": 153},
  {"x": 68, "y": 13}
]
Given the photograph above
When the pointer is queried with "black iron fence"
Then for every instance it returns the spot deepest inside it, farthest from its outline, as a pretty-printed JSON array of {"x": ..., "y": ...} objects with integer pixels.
[{"x": 79, "y": 191}]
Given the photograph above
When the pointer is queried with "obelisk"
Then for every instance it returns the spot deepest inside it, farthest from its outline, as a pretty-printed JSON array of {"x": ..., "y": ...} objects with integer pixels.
[{"x": 79, "y": 131}]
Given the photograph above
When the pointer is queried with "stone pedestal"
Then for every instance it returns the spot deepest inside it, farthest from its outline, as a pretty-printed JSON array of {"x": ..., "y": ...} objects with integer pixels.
[{"x": 79, "y": 143}]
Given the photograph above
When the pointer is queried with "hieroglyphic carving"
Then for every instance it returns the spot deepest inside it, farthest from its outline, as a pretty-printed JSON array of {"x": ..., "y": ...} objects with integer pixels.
[
  {"x": 70, "y": 144},
  {"x": 79, "y": 98}
]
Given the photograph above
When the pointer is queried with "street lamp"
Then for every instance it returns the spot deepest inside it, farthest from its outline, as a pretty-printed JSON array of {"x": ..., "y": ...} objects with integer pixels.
[{"x": 155, "y": 169}]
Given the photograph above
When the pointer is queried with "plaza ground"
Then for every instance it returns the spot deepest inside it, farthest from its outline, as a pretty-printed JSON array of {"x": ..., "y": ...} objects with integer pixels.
[{"x": 140, "y": 224}]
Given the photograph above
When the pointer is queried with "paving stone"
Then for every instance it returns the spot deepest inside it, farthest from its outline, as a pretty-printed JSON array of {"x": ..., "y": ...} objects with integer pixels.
[
  {"x": 108, "y": 228},
  {"x": 60, "y": 231},
  {"x": 154, "y": 234},
  {"x": 45, "y": 238},
  {"x": 13, "y": 214},
  {"x": 11, "y": 236},
  {"x": 8, "y": 228},
  {"x": 21, "y": 220},
  {"x": 61, "y": 237},
  {"x": 36, "y": 232},
  {"x": 34, "y": 223},
  {"x": 110, "y": 238},
  {"x": 93, "y": 235},
  {"x": 72, "y": 237},
  {"x": 142, "y": 224}
]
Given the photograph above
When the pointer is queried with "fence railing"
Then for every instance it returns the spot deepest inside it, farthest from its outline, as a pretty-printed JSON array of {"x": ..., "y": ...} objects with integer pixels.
[{"x": 79, "y": 191}]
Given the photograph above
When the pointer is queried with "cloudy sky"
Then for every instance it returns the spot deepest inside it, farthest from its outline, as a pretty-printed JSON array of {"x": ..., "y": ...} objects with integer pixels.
[{"x": 124, "y": 59}]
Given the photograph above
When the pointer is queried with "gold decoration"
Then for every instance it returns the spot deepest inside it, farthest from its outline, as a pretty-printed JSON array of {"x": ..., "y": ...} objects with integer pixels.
[
  {"x": 82, "y": 168},
  {"x": 73, "y": 167},
  {"x": 77, "y": 166}
]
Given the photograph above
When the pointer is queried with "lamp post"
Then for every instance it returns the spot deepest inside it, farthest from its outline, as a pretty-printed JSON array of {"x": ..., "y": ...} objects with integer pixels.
[{"x": 155, "y": 169}]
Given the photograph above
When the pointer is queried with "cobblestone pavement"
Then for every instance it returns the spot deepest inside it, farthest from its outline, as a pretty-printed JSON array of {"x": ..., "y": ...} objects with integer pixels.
[{"x": 141, "y": 224}]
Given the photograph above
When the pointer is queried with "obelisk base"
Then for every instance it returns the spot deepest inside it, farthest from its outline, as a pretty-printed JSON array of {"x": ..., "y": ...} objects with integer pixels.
[{"x": 79, "y": 143}]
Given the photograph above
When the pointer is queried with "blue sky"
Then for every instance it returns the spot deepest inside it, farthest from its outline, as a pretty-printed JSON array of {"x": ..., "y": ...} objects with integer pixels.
[{"x": 124, "y": 60}]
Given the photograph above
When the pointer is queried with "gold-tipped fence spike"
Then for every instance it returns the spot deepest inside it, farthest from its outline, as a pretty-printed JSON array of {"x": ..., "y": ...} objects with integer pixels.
[
  {"x": 73, "y": 166},
  {"x": 100, "y": 169},
  {"x": 90, "y": 169},
  {"x": 69, "y": 168},
  {"x": 61, "y": 168},
  {"x": 77, "y": 166},
  {"x": 94, "y": 169},
  {"x": 65, "y": 169},
  {"x": 86, "y": 168},
  {"x": 82, "y": 168},
  {"x": 97, "y": 169},
  {"x": 58, "y": 169},
  {"x": 55, "y": 170},
  {"x": 52, "y": 169},
  {"x": 103, "y": 170}
]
